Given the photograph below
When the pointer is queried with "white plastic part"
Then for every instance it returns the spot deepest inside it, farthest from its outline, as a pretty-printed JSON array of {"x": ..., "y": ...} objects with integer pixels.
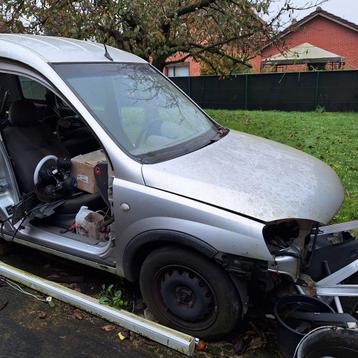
[{"x": 80, "y": 219}]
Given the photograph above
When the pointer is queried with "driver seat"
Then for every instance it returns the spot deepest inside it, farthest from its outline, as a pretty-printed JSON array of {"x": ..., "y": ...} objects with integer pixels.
[{"x": 28, "y": 141}]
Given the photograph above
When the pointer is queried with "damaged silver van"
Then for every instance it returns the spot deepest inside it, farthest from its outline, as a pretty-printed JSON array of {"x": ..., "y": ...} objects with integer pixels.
[{"x": 107, "y": 163}]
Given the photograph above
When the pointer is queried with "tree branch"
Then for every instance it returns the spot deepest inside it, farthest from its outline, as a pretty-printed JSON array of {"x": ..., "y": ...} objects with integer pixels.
[{"x": 192, "y": 8}]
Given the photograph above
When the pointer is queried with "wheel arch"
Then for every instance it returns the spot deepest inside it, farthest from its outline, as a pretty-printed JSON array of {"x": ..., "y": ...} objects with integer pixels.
[{"x": 140, "y": 246}]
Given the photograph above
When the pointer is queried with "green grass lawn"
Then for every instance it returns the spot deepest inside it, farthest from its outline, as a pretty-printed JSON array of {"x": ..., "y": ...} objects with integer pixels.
[{"x": 331, "y": 137}]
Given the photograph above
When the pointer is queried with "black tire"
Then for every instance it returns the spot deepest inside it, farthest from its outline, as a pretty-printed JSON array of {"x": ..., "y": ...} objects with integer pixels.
[{"x": 189, "y": 293}]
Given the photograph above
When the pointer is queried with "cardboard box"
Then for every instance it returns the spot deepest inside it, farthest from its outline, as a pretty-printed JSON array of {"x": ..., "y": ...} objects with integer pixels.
[{"x": 83, "y": 170}]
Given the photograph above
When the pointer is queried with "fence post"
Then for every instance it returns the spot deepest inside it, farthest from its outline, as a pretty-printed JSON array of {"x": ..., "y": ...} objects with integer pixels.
[
  {"x": 246, "y": 90},
  {"x": 316, "y": 90}
]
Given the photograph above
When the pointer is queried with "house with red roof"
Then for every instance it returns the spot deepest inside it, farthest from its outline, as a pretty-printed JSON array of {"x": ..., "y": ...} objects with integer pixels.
[{"x": 319, "y": 41}]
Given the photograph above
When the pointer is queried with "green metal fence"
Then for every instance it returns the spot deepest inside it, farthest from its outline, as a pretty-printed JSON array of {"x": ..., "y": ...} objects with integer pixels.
[{"x": 291, "y": 91}]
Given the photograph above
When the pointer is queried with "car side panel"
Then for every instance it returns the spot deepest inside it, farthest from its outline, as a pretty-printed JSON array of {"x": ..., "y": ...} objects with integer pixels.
[{"x": 140, "y": 208}]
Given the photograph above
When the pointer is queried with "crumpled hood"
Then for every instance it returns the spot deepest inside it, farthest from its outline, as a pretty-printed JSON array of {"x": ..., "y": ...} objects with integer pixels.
[{"x": 252, "y": 176}]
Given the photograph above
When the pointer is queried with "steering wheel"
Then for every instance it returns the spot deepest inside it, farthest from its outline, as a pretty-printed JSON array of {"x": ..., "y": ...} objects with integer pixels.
[
  {"x": 45, "y": 166},
  {"x": 52, "y": 179}
]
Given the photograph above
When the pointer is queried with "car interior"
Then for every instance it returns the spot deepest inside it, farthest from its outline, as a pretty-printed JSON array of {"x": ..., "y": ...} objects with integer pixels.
[{"x": 41, "y": 133}]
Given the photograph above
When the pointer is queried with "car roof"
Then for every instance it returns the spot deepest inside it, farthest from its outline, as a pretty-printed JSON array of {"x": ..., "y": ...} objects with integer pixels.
[{"x": 52, "y": 49}]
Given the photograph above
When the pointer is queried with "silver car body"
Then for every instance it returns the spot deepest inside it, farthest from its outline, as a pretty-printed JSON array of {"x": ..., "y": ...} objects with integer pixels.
[
  {"x": 218, "y": 198},
  {"x": 253, "y": 176}
]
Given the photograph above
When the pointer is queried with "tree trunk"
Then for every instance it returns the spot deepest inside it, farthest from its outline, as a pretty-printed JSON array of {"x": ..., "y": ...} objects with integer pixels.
[{"x": 2, "y": 26}]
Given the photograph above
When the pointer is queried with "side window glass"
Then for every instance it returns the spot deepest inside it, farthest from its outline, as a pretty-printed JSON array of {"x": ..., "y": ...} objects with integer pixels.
[{"x": 32, "y": 89}]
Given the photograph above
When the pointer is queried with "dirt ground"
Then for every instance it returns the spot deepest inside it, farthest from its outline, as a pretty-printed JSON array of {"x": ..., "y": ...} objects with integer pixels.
[{"x": 31, "y": 328}]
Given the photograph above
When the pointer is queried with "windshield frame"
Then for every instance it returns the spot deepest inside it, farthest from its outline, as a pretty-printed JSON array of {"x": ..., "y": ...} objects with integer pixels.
[{"x": 163, "y": 154}]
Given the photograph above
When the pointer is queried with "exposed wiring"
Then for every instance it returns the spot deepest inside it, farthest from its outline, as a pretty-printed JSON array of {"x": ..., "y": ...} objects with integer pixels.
[
  {"x": 3, "y": 222},
  {"x": 19, "y": 227},
  {"x": 17, "y": 287},
  {"x": 104, "y": 213}
]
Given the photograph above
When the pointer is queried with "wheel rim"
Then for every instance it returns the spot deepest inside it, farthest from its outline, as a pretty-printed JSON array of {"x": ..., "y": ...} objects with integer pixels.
[{"x": 186, "y": 298}]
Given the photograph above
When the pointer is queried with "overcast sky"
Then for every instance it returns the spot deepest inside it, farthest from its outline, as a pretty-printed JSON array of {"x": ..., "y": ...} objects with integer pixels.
[{"x": 347, "y": 9}]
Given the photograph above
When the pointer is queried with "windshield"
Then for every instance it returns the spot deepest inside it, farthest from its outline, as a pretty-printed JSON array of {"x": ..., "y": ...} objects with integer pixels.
[{"x": 142, "y": 111}]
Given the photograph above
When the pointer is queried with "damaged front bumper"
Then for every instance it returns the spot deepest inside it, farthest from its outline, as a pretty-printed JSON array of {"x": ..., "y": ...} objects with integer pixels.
[{"x": 327, "y": 249}]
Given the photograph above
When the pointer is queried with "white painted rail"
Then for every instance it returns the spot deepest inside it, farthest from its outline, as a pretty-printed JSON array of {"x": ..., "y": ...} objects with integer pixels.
[{"x": 166, "y": 336}]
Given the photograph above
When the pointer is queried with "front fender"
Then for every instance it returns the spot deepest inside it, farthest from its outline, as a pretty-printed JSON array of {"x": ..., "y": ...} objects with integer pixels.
[
  {"x": 139, "y": 247},
  {"x": 153, "y": 209}
]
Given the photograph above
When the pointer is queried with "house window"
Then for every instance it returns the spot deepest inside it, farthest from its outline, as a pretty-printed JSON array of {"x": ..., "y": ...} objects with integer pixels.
[
  {"x": 178, "y": 70},
  {"x": 316, "y": 66},
  {"x": 281, "y": 68}
]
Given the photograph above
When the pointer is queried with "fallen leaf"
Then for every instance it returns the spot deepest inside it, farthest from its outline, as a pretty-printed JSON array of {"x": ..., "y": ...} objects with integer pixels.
[
  {"x": 108, "y": 328},
  {"x": 123, "y": 335},
  {"x": 201, "y": 346},
  {"x": 77, "y": 314}
]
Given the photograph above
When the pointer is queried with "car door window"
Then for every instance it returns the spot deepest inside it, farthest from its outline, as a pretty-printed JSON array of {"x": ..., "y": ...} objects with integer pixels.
[{"x": 32, "y": 90}]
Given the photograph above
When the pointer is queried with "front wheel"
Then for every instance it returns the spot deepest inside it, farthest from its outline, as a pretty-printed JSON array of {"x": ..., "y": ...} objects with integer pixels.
[{"x": 190, "y": 293}]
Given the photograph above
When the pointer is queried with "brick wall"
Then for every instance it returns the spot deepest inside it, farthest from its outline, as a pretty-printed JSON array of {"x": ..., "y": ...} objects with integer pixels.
[
  {"x": 194, "y": 66},
  {"x": 323, "y": 33}
]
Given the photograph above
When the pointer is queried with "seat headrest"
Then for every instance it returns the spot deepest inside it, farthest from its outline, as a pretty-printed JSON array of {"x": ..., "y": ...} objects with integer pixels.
[{"x": 22, "y": 113}]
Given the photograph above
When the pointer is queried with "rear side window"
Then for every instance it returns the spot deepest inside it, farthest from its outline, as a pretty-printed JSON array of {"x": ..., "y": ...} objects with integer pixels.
[{"x": 32, "y": 89}]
